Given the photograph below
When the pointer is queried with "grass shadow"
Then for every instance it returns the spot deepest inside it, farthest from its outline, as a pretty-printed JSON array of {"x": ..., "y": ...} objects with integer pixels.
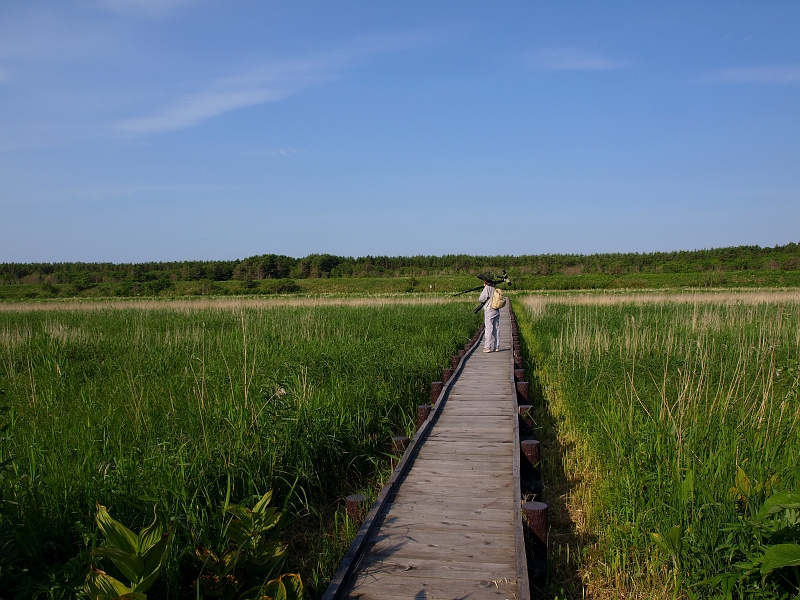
[{"x": 569, "y": 541}]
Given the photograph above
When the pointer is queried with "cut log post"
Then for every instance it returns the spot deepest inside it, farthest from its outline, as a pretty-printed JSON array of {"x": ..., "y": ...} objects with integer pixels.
[
  {"x": 530, "y": 449},
  {"x": 536, "y": 519},
  {"x": 523, "y": 387},
  {"x": 461, "y": 354},
  {"x": 422, "y": 414},
  {"x": 524, "y": 411},
  {"x": 518, "y": 360},
  {"x": 454, "y": 361},
  {"x": 399, "y": 445},
  {"x": 446, "y": 375},
  {"x": 353, "y": 504},
  {"x": 519, "y": 374},
  {"x": 436, "y": 389}
]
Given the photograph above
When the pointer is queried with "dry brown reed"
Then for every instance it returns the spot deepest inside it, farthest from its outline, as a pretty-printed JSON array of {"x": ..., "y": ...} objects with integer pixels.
[
  {"x": 537, "y": 302},
  {"x": 218, "y": 303}
]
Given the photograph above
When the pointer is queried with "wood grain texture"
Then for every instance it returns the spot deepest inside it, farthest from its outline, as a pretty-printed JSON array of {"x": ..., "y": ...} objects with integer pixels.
[{"x": 448, "y": 528}]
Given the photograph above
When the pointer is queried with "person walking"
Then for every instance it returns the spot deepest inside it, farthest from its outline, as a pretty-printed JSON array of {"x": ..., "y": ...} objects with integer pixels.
[{"x": 491, "y": 317}]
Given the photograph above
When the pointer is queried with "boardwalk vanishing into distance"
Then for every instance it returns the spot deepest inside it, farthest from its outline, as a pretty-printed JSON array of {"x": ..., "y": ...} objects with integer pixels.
[{"x": 448, "y": 524}]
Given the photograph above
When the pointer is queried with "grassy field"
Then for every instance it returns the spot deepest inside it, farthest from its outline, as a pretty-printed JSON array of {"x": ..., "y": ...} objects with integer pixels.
[
  {"x": 180, "y": 404},
  {"x": 421, "y": 285},
  {"x": 668, "y": 420}
]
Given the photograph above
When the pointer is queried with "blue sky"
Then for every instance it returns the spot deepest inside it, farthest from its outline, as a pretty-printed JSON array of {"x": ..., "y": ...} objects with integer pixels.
[{"x": 135, "y": 130}]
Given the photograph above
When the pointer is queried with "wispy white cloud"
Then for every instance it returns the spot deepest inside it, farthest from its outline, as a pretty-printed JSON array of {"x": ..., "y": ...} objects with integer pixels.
[
  {"x": 756, "y": 74},
  {"x": 572, "y": 59},
  {"x": 268, "y": 83}
]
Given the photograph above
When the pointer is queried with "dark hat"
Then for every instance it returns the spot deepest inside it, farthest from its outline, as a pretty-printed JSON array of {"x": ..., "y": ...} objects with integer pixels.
[{"x": 486, "y": 277}]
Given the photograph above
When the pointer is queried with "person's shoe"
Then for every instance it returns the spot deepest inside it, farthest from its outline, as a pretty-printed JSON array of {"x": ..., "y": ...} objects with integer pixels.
[
  {"x": 497, "y": 349},
  {"x": 487, "y": 349}
]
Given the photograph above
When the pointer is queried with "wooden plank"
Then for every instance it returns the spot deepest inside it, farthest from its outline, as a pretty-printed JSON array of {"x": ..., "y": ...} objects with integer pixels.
[
  {"x": 463, "y": 512},
  {"x": 377, "y": 565},
  {"x": 483, "y": 499},
  {"x": 402, "y": 588},
  {"x": 423, "y": 521},
  {"x": 473, "y": 539},
  {"x": 444, "y": 550}
]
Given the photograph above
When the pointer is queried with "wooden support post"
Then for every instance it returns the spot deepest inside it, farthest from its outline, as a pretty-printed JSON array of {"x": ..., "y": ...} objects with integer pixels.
[
  {"x": 524, "y": 411},
  {"x": 454, "y": 361},
  {"x": 436, "y": 389},
  {"x": 399, "y": 445},
  {"x": 518, "y": 360},
  {"x": 531, "y": 450},
  {"x": 422, "y": 413},
  {"x": 536, "y": 518},
  {"x": 353, "y": 504},
  {"x": 522, "y": 391},
  {"x": 446, "y": 375},
  {"x": 519, "y": 374},
  {"x": 461, "y": 354}
]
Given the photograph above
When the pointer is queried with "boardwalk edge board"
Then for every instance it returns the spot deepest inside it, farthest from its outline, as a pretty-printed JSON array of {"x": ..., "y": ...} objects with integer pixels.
[{"x": 356, "y": 549}]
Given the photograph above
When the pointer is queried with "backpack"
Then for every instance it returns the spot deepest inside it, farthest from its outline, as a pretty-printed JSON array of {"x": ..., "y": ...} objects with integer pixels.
[{"x": 498, "y": 300}]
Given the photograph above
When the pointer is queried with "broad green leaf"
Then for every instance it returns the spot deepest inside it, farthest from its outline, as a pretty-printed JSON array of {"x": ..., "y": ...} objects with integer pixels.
[
  {"x": 206, "y": 556},
  {"x": 150, "y": 535},
  {"x": 294, "y": 586},
  {"x": 261, "y": 504},
  {"x": 116, "y": 533},
  {"x": 778, "y": 502},
  {"x": 244, "y": 514},
  {"x": 743, "y": 482},
  {"x": 285, "y": 587},
  {"x": 779, "y": 556},
  {"x": 154, "y": 560},
  {"x": 229, "y": 560},
  {"x": 660, "y": 542},
  {"x": 675, "y": 538},
  {"x": 101, "y": 586},
  {"x": 687, "y": 486},
  {"x": 131, "y": 565}
]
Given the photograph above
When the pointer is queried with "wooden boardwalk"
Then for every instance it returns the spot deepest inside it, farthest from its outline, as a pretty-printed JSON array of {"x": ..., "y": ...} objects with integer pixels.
[{"x": 451, "y": 527}]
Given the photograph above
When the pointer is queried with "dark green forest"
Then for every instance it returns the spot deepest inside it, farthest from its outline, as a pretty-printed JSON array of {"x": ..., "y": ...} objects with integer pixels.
[{"x": 272, "y": 273}]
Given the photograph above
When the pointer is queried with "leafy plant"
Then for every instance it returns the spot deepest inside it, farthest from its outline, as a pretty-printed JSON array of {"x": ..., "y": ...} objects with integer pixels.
[
  {"x": 671, "y": 544},
  {"x": 769, "y": 546},
  {"x": 243, "y": 571},
  {"x": 140, "y": 558}
]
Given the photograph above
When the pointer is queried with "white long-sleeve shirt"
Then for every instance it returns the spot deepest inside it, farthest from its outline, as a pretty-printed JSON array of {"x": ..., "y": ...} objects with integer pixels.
[{"x": 486, "y": 294}]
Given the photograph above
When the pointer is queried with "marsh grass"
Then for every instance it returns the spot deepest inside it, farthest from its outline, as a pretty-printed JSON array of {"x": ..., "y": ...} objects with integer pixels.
[
  {"x": 655, "y": 403},
  {"x": 181, "y": 406}
]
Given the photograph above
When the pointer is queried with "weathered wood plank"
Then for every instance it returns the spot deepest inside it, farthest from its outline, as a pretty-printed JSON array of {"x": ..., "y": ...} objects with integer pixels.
[{"x": 448, "y": 531}]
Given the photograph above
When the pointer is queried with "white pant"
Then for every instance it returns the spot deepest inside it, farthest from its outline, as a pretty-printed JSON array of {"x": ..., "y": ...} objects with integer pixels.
[{"x": 491, "y": 337}]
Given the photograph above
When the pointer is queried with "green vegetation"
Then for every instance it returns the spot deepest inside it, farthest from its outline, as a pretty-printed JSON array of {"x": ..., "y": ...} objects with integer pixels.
[
  {"x": 435, "y": 285},
  {"x": 194, "y": 410},
  {"x": 276, "y": 274},
  {"x": 673, "y": 436}
]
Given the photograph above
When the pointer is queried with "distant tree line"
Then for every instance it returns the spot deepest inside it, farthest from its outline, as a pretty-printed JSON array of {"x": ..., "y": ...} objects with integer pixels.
[{"x": 273, "y": 266}]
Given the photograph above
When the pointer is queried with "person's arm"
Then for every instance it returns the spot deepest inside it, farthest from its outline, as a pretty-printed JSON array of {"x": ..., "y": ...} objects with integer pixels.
[{"x": 484, "y": 294}]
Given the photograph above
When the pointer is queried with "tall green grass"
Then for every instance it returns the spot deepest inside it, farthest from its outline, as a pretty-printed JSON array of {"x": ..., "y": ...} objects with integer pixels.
[
  {"x": 182, "y": 408},
  {"x": 687, "y": 415}
]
